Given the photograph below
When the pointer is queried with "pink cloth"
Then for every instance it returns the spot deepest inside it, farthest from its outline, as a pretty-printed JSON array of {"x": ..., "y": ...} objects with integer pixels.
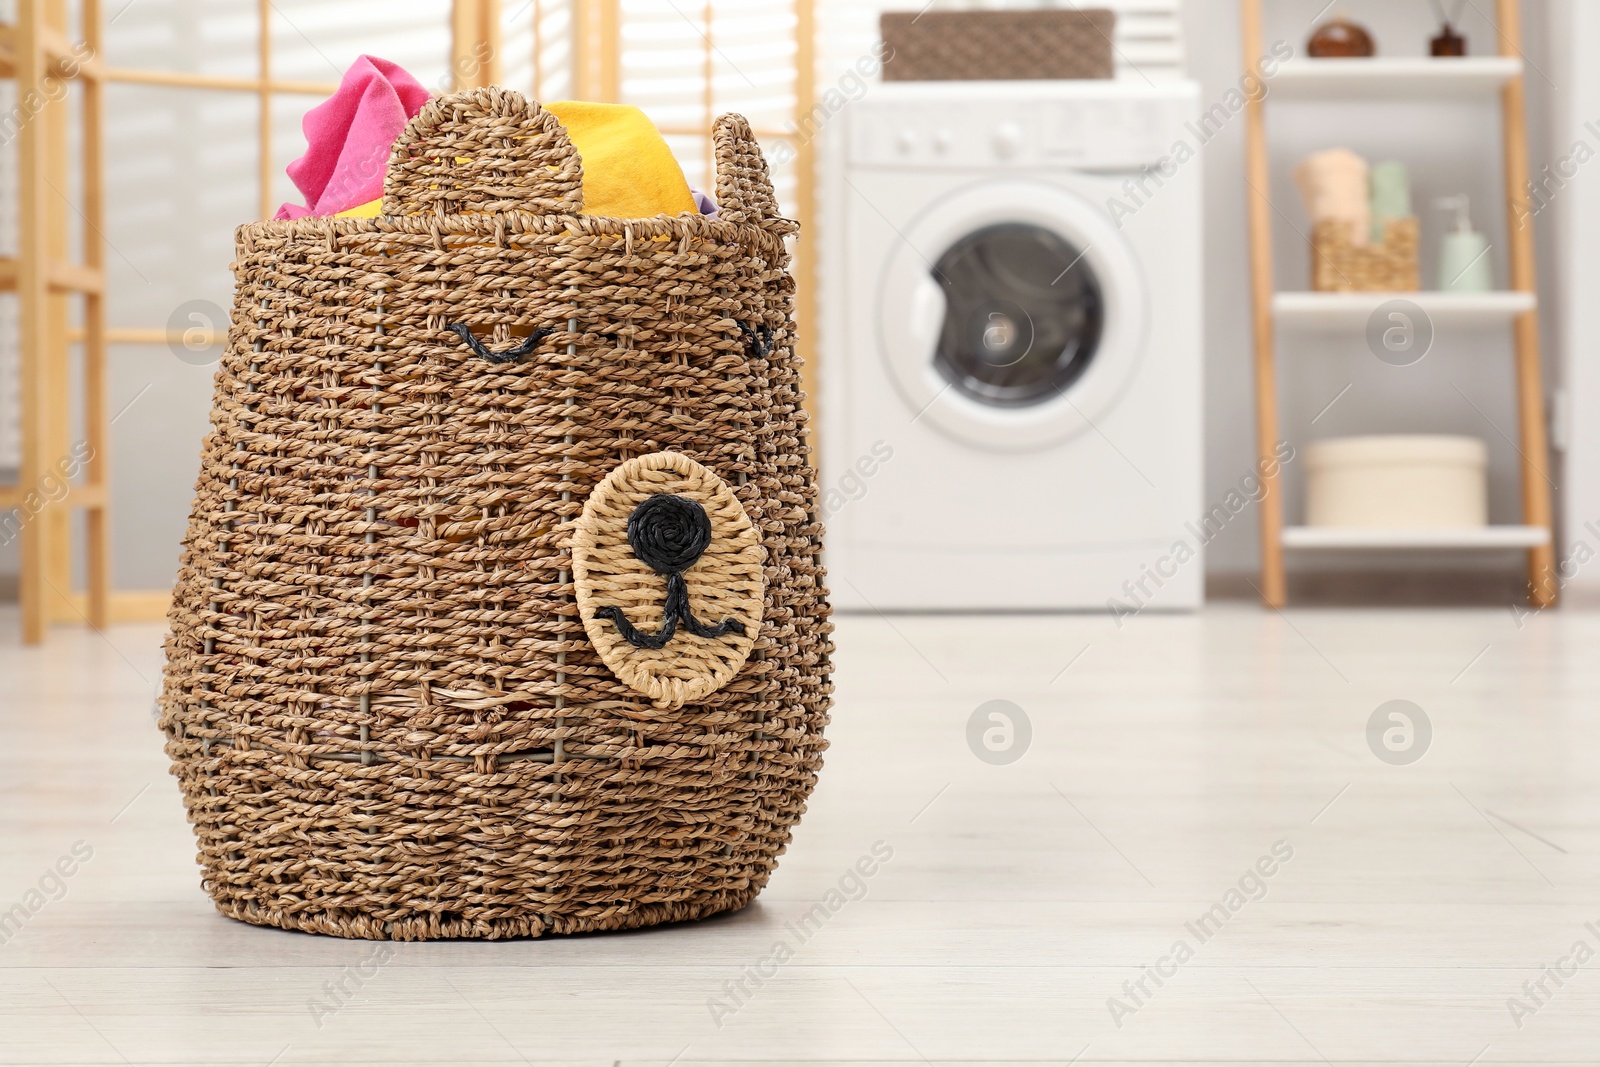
[{"x": 349, "y": 137}]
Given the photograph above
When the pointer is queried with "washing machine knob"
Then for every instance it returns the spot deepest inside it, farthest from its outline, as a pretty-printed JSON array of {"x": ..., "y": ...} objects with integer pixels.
[
  {"x": 941, "y": 141},
  {"x": 1007, "y": 140},
  {"x": 906, "y": 141}
]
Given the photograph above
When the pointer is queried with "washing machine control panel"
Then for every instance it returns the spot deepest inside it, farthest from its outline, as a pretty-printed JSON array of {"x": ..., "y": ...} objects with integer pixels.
[{"x": 1111, "y": 134}]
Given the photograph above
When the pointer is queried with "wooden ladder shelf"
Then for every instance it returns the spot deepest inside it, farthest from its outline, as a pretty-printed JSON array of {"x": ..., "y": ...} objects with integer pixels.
[
  {"x": 63, "y": 467},
  {"x": 1401, "y": 79}
]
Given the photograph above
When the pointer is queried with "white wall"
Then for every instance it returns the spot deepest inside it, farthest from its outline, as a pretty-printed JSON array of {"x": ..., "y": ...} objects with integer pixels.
[{"x": 1574, "y": 231}]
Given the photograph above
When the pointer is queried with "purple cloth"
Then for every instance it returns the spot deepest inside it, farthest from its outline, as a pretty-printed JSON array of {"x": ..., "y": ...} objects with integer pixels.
[{"x": 708, "y": 207}]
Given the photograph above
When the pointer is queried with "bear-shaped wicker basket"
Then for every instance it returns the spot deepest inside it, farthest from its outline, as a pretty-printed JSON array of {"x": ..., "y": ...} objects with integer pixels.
[{"x": 501, "y": 609}]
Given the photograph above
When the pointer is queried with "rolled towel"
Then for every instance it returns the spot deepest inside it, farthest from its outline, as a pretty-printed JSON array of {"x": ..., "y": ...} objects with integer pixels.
[
  {"x": 1391, "y": 196},
  {"x": 1335, "y": 186}
]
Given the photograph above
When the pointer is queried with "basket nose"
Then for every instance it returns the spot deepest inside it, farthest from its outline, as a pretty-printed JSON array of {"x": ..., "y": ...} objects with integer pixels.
[{"x": 483, "y": 151}]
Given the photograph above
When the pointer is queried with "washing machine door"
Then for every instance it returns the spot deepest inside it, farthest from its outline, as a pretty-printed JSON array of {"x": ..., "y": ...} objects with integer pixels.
[{"x": 1012, "y": 315}]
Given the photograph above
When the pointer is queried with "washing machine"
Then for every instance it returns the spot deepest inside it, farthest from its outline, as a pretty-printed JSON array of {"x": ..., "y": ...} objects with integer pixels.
[{"x": 1011, "y": 355}]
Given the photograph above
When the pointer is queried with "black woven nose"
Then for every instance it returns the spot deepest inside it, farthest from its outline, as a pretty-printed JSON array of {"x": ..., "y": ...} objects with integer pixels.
[{"x": 669, "y": 533}]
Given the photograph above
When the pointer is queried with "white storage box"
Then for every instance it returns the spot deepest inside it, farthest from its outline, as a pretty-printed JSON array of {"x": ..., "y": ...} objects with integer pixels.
[{"x": 1398, "y": 482}]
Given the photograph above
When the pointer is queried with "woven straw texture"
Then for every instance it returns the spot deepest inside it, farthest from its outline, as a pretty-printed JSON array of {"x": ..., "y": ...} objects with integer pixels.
[
  {"x": 380, "y": 700},
  {"x": 997, "y": 45},
  {"x": 726, "y": 582},
  {"x": 1340, "y": 266}
]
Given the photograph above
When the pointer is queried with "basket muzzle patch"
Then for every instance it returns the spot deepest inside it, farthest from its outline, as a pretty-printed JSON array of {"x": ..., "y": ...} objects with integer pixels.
[{"x": 669, "y": 575}]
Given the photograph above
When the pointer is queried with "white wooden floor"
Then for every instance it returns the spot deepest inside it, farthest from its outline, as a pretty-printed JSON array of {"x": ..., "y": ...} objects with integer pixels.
[{"x": 1167, "y": 758}]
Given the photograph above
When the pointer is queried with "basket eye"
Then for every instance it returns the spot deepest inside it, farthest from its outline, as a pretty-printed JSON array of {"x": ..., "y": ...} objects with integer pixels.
[
  {"x": 510, "y": 355},
  {"x": 758, "y": 340}
]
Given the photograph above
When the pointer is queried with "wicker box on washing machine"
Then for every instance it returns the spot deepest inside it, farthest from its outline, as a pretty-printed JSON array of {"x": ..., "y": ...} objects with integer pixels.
[{"x": 997, "y": 45}]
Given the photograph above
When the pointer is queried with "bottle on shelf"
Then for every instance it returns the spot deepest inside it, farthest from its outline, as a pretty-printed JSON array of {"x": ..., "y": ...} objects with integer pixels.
[{"x": 1464, "y": 265}]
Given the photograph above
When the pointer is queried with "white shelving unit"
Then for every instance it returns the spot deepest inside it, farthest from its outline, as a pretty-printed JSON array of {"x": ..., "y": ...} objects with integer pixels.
[
  {"x": 1395, "y": 79},
  {"x": 1473, "y": 80},
  {"x": 1344, "y": 312},
  {"x": 1469, "y": 537}
]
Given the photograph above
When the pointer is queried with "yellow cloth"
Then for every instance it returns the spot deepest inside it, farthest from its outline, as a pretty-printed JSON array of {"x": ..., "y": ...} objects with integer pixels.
[
  {"x": 370, "y": 210},
  {"x": 628, "y": 170}
]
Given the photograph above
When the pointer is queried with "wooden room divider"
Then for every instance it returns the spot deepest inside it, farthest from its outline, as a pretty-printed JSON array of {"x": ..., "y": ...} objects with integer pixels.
[{"x": 57, "y": 474}]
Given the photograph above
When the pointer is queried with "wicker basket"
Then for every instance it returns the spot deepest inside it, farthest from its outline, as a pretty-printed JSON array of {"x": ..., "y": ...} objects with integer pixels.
[
  {"x": 1340, "y": 266},
  {"x": 997, "y": 45},
  {"x": 441, "y": 662}
]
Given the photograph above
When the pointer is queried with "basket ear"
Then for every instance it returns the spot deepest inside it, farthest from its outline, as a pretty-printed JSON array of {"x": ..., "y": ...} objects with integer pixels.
[
  {"x": 744, "y": 188},
  {"x": 483, "y": 151}
]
